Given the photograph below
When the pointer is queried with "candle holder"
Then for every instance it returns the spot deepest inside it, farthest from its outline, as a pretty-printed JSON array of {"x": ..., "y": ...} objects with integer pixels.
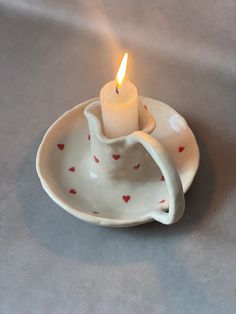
[{"x": 124, "y": 181}]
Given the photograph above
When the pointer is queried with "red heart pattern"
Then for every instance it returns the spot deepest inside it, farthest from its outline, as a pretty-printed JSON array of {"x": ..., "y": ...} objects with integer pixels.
[
  {"x": 181, "y": 149},
  {"x": 126, "y": 198},
  {"x": 72, "y": 191},
  {"x": 61, "y": 146},
  {"x": 96, "y": 159},
  {"x": 116, "y": 157}
]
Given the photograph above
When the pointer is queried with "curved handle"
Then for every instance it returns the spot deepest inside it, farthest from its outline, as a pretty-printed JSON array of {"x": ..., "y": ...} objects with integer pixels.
[{"x": 172, "y": 179}]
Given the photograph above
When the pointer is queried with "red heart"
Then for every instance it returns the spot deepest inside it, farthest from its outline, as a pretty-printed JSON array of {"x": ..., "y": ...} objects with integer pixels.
[
  {"x": 162, "y": 201},
  {"x": 89, "y": 137},
  {"x": 162, "y": 178},
  {"x": 72, "y": 191},
  {"x": 96, "y": 159},
  {"x": 116, "y": 157},
  {"x": 61, "y": 146},
  {"x": 72, "y": 169},
  {"x": 136, "y": 167},
  {"x": 126, "y": 198},
  {"x": 181, "y": 148}
]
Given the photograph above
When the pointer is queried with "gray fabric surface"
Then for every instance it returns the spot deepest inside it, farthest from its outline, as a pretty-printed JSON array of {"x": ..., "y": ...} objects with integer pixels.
[{"x": 55, "y": 54}]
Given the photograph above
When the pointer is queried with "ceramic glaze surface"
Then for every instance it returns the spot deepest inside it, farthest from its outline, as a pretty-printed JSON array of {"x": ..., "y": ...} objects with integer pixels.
[{"x": 64, "y": 167}]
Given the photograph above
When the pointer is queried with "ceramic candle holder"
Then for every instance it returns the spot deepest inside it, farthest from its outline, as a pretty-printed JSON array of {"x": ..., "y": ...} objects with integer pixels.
[{"x": 123, "y": 181}]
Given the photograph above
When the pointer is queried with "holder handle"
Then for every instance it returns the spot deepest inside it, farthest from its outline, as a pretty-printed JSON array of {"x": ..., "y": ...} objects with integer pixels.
[{"x": 172, "y": 179}]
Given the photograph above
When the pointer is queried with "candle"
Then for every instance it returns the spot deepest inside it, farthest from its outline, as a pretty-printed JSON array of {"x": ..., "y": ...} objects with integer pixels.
[{"x": 119, "y": 104}]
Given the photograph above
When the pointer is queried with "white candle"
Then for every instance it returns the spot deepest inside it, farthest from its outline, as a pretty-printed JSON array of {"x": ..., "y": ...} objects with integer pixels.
[{"x": 119, "y": 103}]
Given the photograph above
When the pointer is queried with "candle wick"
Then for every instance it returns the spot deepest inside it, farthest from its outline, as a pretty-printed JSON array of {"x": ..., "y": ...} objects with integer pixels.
[{"x": 117, "y": 90}]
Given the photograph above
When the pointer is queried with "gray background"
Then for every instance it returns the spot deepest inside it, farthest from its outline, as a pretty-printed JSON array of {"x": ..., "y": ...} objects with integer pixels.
[{"x": 57, "y": 53}]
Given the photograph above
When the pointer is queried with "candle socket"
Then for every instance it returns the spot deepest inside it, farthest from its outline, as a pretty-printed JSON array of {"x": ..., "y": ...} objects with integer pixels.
[{"x": 119, "y": 156}]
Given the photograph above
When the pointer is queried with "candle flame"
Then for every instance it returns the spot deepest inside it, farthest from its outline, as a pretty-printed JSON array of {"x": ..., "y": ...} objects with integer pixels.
[{"x": 122, "y": 70}]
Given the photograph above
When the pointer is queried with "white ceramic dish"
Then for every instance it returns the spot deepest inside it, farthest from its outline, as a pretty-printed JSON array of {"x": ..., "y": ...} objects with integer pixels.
[{"x": 64, "y": 167}]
